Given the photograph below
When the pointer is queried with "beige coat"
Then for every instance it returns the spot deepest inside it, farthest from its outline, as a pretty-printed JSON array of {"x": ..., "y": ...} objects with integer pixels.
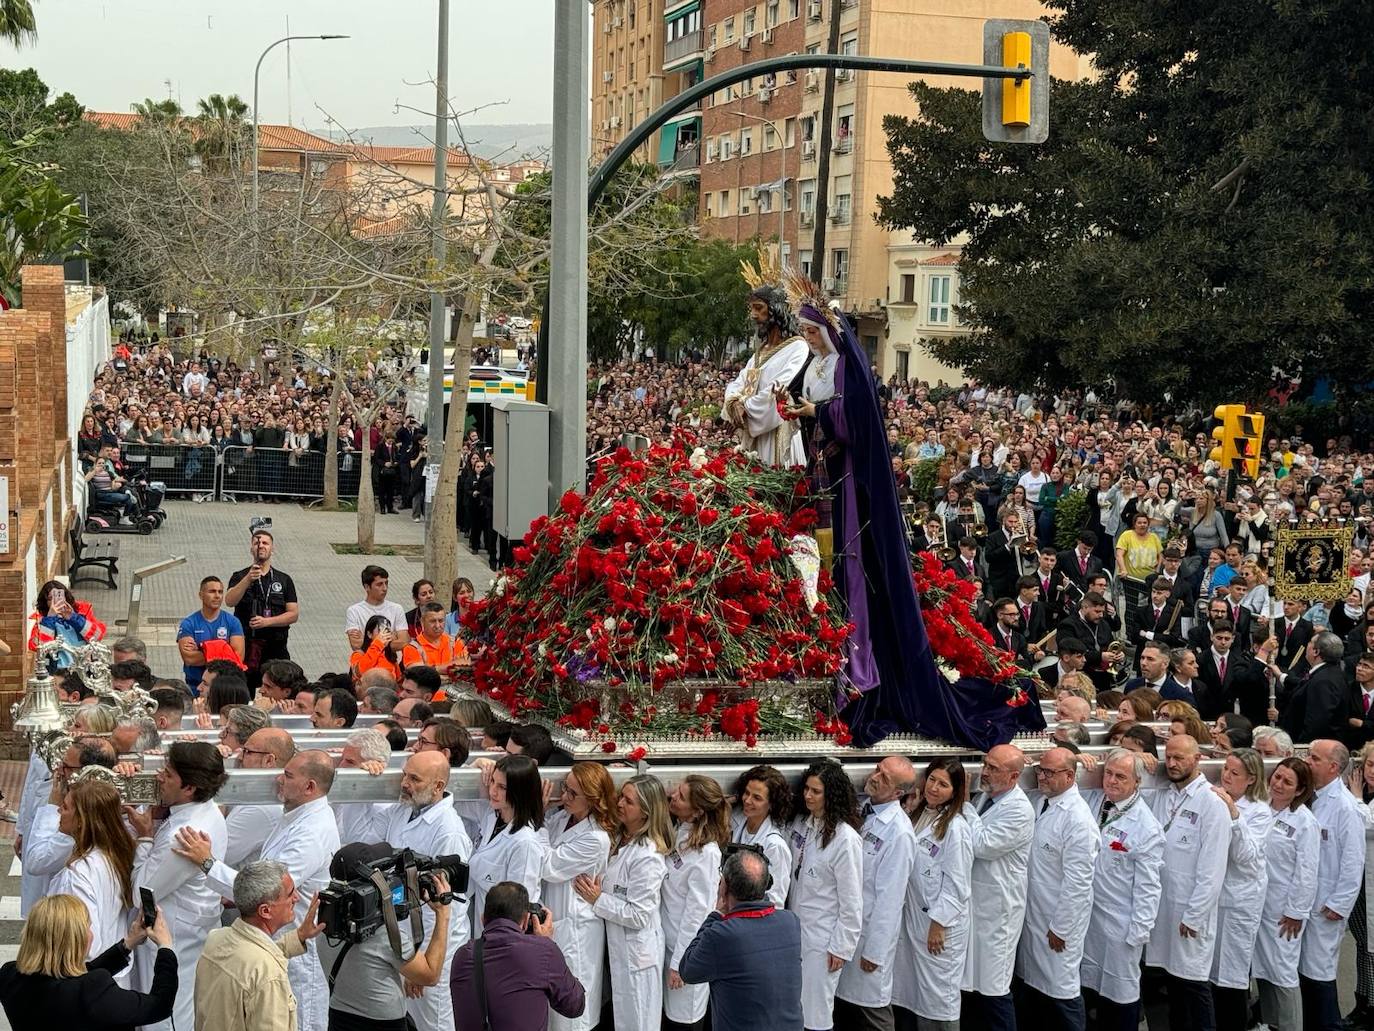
[{"x": 241, "y": 982}]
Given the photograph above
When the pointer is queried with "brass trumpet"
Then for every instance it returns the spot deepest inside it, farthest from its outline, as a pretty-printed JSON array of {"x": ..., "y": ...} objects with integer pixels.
[
  {"x": 946, "y": 554},
  {"x": 980, "y": 531}
]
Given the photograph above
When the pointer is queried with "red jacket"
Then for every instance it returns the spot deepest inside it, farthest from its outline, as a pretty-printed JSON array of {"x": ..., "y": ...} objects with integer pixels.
[{"x": 83, "y": 620}]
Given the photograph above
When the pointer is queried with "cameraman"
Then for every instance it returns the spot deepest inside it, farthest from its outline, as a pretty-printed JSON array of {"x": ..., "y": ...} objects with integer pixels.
[
  {"x": 523, "y": 973},
  {"x": 367, "y": 993}
]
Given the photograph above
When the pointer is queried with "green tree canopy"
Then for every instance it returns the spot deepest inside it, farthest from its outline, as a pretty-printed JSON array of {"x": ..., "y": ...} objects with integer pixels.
[
  {"x": 1200, "y": 214},
  {"x": 25, "y": 105}
]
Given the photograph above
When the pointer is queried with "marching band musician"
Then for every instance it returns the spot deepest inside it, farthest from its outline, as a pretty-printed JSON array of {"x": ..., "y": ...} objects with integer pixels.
[
  {"x": 1051, "y": 585},
  {"x": 1032, "y": 617},
  {"x": 1089, "y": 627},
  {"x": 1126, "y": 891},
  {"x": 1003, "y": 553}
]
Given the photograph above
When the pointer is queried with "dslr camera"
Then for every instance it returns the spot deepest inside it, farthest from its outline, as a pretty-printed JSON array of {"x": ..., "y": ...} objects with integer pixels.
[{"x": 352, "y": 910}]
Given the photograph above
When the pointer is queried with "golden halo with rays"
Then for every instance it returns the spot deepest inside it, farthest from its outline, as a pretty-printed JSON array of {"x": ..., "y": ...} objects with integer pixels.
[
  {"x": 766, "y": 273},
  {"x": 802, "y": 290}
]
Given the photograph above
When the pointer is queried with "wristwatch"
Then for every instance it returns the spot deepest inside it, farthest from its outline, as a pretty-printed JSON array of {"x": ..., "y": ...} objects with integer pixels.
[{"x": 208, "y": 863}]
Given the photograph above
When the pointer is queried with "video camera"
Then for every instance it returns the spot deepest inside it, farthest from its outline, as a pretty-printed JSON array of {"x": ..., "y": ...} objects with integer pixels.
[{"x": 352, "y": 910}]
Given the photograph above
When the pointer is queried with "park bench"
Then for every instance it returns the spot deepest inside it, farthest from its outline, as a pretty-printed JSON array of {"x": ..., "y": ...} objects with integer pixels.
[{"x": 98, "y": 554}]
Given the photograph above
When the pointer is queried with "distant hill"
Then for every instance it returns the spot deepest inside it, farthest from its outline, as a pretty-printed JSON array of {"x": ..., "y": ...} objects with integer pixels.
[{"x": 503, "y": 143}]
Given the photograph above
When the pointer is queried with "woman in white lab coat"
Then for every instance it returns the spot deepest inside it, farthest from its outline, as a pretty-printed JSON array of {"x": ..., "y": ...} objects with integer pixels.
[
  {"x": 513, "y": 842},
  {"x": 935, "y": 920},
  {"x": 827, "y": 877},
  {"x": 579, "y": 844},
  {"x": 1242, "y": 890},
  {"x": 1362, "y": 784},
  {"x": 100, "y": 870},
  {"x": 689, "y": 891},
  {"x": 765, "y": 801},
  {"x": 1291, "y": 856},
  {"x": 627, "y": 898}
]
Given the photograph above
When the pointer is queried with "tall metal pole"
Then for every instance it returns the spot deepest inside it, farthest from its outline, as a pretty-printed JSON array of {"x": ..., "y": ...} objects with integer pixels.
[
  {"x": 823, "y": 158},
  {"x": 256, "y": 70},
  {"x": 434, "y": 416},
  {"x": 567, "y": 316}
]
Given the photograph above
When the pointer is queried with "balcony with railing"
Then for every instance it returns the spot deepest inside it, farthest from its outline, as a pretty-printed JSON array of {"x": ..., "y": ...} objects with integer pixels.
[{"x": 683, "y": 50}]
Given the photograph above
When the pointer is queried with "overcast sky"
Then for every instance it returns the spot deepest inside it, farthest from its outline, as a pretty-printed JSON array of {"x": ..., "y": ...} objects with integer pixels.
[{"x": 113, "y": 53}]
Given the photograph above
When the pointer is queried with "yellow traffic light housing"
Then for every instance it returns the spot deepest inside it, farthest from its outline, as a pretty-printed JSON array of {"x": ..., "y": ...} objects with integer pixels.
[
  {"x": 1224, "y": 433},
  {"x": 1016, "y": 93},
  {"x": 1249, "y": 443}
]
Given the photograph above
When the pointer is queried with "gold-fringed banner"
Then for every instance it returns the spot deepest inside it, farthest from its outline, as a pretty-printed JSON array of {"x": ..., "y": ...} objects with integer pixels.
[{"x": 1312, "y": 563}]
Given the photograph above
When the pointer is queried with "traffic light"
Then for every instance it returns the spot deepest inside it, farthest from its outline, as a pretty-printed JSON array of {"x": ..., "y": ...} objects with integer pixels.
[
  {"x": 1017, "y": 110},
  {"x": 1240, "y": 438}
]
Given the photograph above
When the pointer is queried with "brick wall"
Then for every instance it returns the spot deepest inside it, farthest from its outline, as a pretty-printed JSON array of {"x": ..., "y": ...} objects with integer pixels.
[{"x": 33, "y": 447}]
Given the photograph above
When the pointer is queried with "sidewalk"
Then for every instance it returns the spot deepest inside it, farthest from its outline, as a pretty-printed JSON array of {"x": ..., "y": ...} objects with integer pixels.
[{"x": 214, "y": 538}]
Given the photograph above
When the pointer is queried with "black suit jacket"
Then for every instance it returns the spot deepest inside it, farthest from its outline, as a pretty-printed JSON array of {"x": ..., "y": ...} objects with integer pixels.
[
  {"x": 1292, "y": 645},
  {"x": 1037, "y": 626},
  {"x": 1094, "y": 638},
  {"x": 91, "y": 1002},
  {"x": 1357, "y": 737},
  {"x": 961, "y": 571},
  {"x": 1318, "y": 707},
  {"x": 1164, "y": 629},
  {"x": 1017, "y": 646},
  {"x": 1244, "y": 682},
  {"x": 1068, "y": 565},
  {"x": 1002, "y": 569},
  {"x": 1242, "y": 619},
  {"x": 1055, "y": 600},
  {"x": 1182, "y": 590}
]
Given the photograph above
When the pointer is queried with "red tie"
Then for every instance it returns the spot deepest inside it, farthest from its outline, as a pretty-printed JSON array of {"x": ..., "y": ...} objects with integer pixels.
[
  {"x": 1082, "y": 565},
  {"x": 969, "y": 562},
  {"x": 1221, "y": 668},
  {"x": 1156, "y": 615},
  {"x": 1025, "y": 613},
  {"x": 1366, "y": 702},
  {"x": 1045, "y": 586}
]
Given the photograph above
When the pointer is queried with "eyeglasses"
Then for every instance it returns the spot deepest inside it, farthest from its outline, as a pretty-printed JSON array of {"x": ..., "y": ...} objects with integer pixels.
[
  {"x": 252, "y": 751},
  {"x": 1045, "y": 771}
]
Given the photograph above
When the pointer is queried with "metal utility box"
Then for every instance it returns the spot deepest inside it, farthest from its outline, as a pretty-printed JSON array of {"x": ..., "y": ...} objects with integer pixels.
[{"x": 520, "y": 448}]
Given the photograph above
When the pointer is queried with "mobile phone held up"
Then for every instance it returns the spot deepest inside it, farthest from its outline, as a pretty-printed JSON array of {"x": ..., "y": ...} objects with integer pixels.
[{"x": 149, "y": 905}]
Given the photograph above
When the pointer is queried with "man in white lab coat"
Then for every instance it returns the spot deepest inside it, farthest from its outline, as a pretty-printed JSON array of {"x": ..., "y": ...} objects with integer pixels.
[
  {"x": 1059, "y": 899},
  {"x": 1003, "y": 823},
  {"x": 249, "y": 825},
  {"x": 424, "y": 820},
  {"x": 1126, "y": 888},
  {"x": 1197, "y": 838},
  {"x": 863, "y": 999},
  {"x": 363, "y": 821},
  {"x": 304, "y": 841},
  {"x": 1340, "y": 869},
  {"x": 187, "y": 782}
]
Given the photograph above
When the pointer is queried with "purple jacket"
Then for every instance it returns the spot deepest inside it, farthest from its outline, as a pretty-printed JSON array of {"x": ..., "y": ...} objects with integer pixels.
[{"x": 525, "y": 975}]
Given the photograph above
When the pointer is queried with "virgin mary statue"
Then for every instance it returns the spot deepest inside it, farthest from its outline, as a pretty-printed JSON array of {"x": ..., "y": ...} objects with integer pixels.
[{"x": 891, "y": 683}]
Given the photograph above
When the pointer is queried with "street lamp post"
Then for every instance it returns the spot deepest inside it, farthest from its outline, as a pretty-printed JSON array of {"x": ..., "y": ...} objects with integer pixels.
[
  {"x": 256, "y": 70},
  {"x": 782, "y": 179}
]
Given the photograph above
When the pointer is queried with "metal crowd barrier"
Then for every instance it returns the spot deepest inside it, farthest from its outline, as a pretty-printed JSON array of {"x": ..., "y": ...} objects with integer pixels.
[
  {"x": 274, "y": 472},
  {"x": 183, "y": 470}
]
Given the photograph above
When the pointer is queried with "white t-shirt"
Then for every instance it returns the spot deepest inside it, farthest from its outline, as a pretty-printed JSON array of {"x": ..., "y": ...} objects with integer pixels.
[
  {"x": 1032, "y": 483},
  {"x": 359, "y": 614}
]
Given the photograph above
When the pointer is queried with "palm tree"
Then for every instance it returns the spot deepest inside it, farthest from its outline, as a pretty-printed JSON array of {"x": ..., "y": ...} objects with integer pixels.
[
  {"x": 17, "y": 23},
  {"x": 223, "y": 129},
  {"x": 157, "y": 112}
]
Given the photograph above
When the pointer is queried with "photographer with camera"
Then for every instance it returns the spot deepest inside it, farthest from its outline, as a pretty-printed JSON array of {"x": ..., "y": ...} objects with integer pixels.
[
  {"x": 264, "y": 602},
  {"x": 513, "y": 973},
  {"x": 368, "y": 977}
]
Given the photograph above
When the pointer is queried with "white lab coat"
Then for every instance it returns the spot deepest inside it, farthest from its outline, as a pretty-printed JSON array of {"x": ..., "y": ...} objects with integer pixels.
[
  {"x": 37, "y": 790},
  {"x": 889, "y": 851},
  {"x": 248, "y": 826},
  {"x": 1059, "y": 895},
  {"x": 1340, "y": 868},
  {"x": 303, "y": 840},
  {"x": 1242, "y": 895},
  {"x": 436, "y": 831},
  {"x": 46, "y": 851},
  {"x": 765, "y": 431},
  {"x": 362, "y": 821},
  {"x": 689, "y": 894},
  {"x": 937, "y": 892},
  {"x": 1369, "y": 873},
  {"x": 189, "y": 903},
  {"x": 583, "y": 848},
  {"x": 1001, "y": 849},
  {"x": 772, "y": 839},
  {"x": 1292, "y": 856},
  {"x": 93, "y": 880},
  {"x": 1197, "y": 835},
  {"x": 501, "y": 857},
  {"x": 629, "y": 903},
  {"x": 830, "y": 910},
  {"x": 1126, "y": 888}
]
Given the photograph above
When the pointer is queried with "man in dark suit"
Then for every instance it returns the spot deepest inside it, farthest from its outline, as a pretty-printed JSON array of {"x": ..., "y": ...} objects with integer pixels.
[
  {"x": 1241, "y": 617},
  {"x": 1153, "y": 658},
  {"x": 1003, "y": 555},
  {"x": 1071, "y": 656},
  {"x": 1227, "y": 675},
  {"x": 1157, "y": 620},
  {"x": 1171, "y": 575},
  {"x": 1319, "y": 706},
  {"x": 1088, "y": 626},
  {"x": 1079, "y": 562},
  {"x": 1006, "y": 634},
  {"x": 1200, "y": 637},
  {"x": 968, "y": 564},
  {"x": 1031, "y": 618},
  {"x": 1361, "y": 703},
  {"x": 1051, "y": 585},
  {"x": 1292, "y": 633}
]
